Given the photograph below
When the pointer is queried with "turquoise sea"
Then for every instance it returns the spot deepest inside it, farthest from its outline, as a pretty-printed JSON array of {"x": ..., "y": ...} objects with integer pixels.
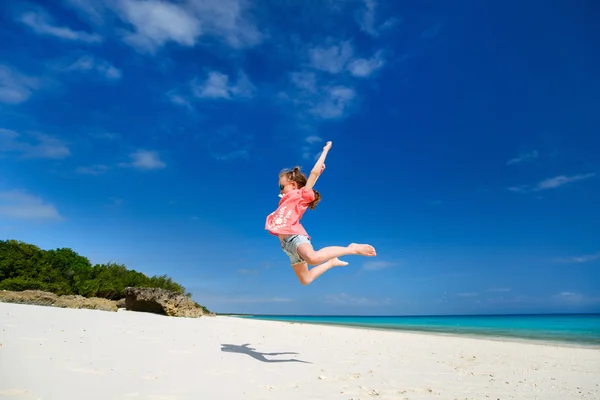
[{"x": 581, "y": 329}]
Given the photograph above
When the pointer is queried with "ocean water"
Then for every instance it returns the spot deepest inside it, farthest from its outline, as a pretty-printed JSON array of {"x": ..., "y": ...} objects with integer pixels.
[{"x": 581, "y": 329}]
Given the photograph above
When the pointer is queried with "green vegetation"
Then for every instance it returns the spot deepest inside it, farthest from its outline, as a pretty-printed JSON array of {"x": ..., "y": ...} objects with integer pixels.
[{"x": 24, "y": 266}]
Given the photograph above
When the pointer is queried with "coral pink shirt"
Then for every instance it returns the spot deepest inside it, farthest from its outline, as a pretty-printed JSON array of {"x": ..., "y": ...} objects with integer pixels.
[{"x": 286, "y": 219}]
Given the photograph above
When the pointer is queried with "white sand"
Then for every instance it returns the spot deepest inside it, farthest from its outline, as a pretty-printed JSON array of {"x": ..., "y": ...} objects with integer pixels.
[{"x": 50, "y": 353}]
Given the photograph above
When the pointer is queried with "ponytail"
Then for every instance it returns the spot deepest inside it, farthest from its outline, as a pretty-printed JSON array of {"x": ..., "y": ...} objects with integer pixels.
[
  {"x": 313, "y": 204},
  {"x": 295, "y": 175}
]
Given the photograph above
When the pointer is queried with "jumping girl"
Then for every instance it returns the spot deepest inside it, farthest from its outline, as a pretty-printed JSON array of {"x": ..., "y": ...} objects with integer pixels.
[{"x": 297, "y": 194}]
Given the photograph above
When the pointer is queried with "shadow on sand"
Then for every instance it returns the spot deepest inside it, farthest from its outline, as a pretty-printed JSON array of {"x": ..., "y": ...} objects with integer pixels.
[{"x": 244, "y": 349}]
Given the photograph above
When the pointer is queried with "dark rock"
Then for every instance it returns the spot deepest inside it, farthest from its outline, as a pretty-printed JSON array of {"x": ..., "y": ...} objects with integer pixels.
[{"x": 160, "y": 301}]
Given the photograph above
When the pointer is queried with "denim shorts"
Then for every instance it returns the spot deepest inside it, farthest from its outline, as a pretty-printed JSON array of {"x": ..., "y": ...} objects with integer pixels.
[{"x": 289, "y": 245}]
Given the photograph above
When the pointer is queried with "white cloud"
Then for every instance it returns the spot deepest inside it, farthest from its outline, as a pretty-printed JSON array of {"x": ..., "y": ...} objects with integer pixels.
[
  {"x": 154, "y": 23},
  {"x": 580, "y": 259},
  {"x": 42, "y": 24},
  {"x": 333, "y": 102},
  {"x": 468, "y": 294},
  {"x": 551, "y": 183},
  {"x": 499, "y": 290},
  {"x": 144, "y": 159},
  {"x": 520, "y": 189},
  {"x": 248, "y": 300},
  {"x": 217, "y": 86},
  {"x": 92, "y": 170},
  {"x": 92, "y": 10},
  {"x": 179, "y": 99},
  {"x": 520, "y": 299},
  {"x": 561, "y": 181},
  {"x": 332, "y": 59},
  {"x": 522, "y": 158},
  {"x": 313, "y": 139},
  {"x": 362, "y": 67},
  {"x": 573, "y": 298},
  {"x": 104, "y": 135},
  {"x": 147, "y": 160},
  {"x": 18, "y": 204},
  {"x": 567, "y": 295},
  {"x": 344, "y": 299},
  {"x": 15, "y": 88},
  {"x": 336, "y": 58},
  {"x": 44, "y": 146},
  {"x": 227, "y": 19},
  {"x": 564, "y": 298},
  {"x": 102, "y": 67},
  {"x": 309, "y": 154},
  {"x": 312, "y": 100},
  {"x": 316, "y": 93},
  {"x": 366, "y": 18},
  {"x": 232, "y": 155},
  {"x": 377, "y": 265},
  {"x": 305, "y": 81}
]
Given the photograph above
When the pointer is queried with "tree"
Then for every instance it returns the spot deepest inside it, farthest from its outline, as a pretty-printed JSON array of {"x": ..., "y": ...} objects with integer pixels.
[{"x": 61, "y": 271}]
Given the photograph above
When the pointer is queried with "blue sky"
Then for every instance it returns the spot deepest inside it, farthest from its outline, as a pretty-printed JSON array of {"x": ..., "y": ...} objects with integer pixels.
[{"x": 466, "y": 147}]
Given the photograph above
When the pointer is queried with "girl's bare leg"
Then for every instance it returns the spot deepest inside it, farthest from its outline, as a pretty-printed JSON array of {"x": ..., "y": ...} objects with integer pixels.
[
  {"x": 306, "y": 276},
  {"x": 312, "y": 257}
]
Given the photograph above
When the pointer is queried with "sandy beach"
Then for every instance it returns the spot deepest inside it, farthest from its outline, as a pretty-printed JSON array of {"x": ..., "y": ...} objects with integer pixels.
[{"x": 53, "y": 353}]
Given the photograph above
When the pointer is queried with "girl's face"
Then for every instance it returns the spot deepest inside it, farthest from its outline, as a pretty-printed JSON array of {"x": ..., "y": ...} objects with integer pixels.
[{"x": 286, "y": 185}]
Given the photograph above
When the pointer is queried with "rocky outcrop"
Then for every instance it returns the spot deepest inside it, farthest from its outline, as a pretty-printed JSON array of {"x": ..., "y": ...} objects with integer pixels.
[
  {"x": 152, "y": 300},
  {"x": 40, "y": 298},
  {"x": 161, "y": 301}
]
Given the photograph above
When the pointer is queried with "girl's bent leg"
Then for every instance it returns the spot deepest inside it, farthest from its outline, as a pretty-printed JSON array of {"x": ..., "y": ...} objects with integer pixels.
[
  {"x": 312, "y": 257},
  {"x": 306, "y": 276}
]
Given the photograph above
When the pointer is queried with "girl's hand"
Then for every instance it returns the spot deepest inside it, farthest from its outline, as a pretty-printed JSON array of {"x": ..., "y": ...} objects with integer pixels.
[{"x": 327, "y": 146}]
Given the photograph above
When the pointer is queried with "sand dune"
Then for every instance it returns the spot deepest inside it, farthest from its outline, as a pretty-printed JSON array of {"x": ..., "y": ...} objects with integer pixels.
[{"x": 51, "y": 353}]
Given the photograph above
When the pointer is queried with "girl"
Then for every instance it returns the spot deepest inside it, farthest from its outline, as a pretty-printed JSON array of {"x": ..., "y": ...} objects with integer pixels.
[{"x": 297, "y": 194}]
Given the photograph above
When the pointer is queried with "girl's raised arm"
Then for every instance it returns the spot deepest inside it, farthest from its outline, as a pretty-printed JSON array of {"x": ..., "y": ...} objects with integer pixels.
[{"x": 318, "y": 168}]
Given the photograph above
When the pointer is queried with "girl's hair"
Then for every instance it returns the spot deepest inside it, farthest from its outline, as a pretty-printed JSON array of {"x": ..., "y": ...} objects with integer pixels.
[{"x": 295, "y": 175}]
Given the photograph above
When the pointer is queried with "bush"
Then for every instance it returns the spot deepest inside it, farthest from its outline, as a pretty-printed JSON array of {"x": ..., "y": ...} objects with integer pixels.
[
  {"x": 24, "y": 266},
  {"x": 19, "y": 284}
]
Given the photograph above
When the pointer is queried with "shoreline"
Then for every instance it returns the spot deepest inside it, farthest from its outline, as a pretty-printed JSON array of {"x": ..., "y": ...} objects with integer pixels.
[
  {"x": 498, "y": 338},
  {"x": 472, "y": 335},
  {"x": 62, "y": 353}
]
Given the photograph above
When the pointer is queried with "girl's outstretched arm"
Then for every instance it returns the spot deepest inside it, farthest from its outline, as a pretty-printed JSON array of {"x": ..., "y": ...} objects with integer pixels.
[{"x": 318, "y": 168}]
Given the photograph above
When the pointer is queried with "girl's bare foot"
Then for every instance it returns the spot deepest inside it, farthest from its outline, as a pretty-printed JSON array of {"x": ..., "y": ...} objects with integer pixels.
[
  {"x": 336, "y": 262},
  {"x": 362, "y": 249}
]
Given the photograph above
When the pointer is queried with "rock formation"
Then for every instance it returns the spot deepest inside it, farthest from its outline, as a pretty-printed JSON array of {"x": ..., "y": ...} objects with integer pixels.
[
  {"x": 121, "y": 303},
  {"x": 161, "y": 301},
  {"x": 40, "y": 298}
]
